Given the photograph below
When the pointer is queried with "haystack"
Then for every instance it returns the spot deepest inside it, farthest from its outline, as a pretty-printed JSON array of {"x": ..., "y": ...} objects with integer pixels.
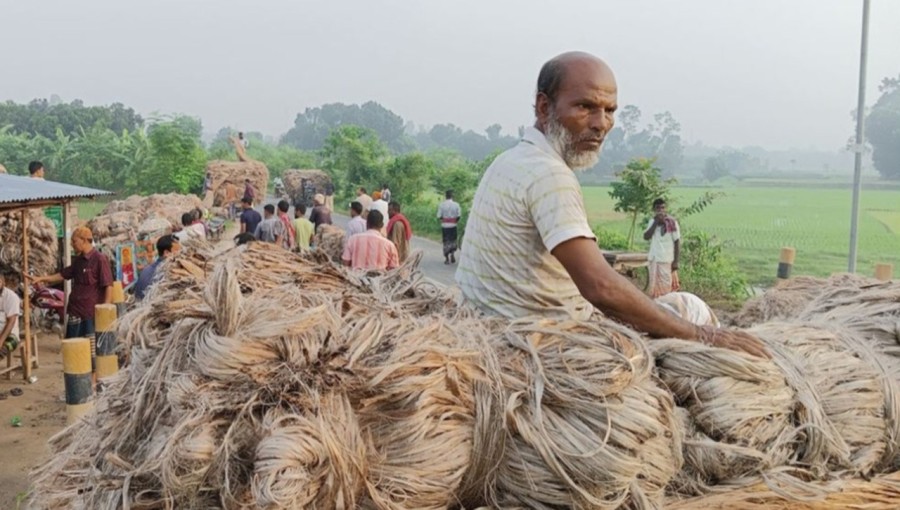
[
  {"x": 229, "y": 176},
  {"x": 293, "y": 184},
  {"x": 43, "y": 247}
]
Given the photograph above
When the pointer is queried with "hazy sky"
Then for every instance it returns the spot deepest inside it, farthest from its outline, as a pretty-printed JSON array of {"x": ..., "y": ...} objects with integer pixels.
[{"x": 775, "y": 73}]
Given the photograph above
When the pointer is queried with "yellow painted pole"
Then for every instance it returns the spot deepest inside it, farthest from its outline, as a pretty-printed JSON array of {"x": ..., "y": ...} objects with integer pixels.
[
  {"x": 786, "y": 262},
  {"x": 118, "y": 297},
  {"x": 884, "y": 272},
  {"x": 107, "y": 361},
  {"x": 76, "y": 353}
]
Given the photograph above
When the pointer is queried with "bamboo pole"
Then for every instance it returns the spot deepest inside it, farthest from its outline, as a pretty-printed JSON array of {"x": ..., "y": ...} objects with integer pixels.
[{"x": 26, "y": 301}]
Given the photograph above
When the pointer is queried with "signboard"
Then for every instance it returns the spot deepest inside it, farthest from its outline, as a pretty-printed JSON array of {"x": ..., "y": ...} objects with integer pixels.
[
  {"x": 54, "y": 213},
  {"x": 126, "y": 266},
  {"x": 144, "y": 254}
]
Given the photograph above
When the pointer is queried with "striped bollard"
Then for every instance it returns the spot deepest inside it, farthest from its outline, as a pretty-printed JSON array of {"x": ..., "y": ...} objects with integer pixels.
[
  {"x": 884, "y": 272},
  {"x": 118, "y": 297},
  {"x": 107, "y": 363},
  {"x": 76, "y": 353},
  {"x": 786, "y": 263}
]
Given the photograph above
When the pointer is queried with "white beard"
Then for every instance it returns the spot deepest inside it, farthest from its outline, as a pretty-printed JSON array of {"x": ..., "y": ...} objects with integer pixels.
[{"x": 562, "y": 141}]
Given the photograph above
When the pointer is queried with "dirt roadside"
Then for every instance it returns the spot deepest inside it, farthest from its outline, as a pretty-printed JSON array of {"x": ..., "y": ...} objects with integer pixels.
[{"x": 42, "y": 412}]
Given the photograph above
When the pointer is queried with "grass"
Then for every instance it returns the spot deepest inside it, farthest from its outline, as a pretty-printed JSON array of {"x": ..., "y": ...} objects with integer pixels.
[
  {"x": 87, "y": 209},
  {"x": 755, "y": 222}
]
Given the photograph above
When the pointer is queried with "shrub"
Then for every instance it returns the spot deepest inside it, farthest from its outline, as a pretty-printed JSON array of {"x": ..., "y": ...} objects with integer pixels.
[
  {"x": 707, "y": 271},
  {"x": 610, "y": 240}
]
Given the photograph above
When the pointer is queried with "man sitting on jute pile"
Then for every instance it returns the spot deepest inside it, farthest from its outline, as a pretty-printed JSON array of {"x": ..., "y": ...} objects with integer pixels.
[{"x": 529, "y": 249}]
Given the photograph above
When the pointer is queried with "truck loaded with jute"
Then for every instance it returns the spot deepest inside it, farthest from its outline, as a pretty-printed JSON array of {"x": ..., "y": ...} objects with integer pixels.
[{"x": 381, "y": 390}]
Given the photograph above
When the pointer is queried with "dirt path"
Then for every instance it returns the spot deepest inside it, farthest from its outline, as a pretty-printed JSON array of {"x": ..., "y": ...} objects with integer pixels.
[{"x": 42, "y": 412}]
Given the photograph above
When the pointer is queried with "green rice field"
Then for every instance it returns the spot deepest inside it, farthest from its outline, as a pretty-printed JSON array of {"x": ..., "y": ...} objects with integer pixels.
[{"x": 754, "y": 223}]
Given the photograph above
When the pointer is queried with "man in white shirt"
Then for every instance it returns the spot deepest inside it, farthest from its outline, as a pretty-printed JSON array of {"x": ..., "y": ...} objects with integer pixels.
[
  {"x": 191, "y": 229},
  {"x": 357, "y": 224},
  {"x": 664, "y": 235},
  {"x": 10, "y": 306},
  {"x": 529, "y": 248},
  {"x": 449, "y": 213}
]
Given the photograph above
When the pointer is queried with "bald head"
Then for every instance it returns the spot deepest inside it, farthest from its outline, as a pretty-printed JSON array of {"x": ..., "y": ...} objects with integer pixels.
[
  {"x": 575, "y": 64},
  {"x": 574, "y": 107}
]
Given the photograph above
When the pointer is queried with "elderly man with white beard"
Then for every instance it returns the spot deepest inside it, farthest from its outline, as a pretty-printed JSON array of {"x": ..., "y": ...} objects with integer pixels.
[{"x": 528, "y": 247}]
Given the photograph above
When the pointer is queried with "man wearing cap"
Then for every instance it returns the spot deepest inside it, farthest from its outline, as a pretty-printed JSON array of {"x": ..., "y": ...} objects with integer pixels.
[{"x": 91, "y": 283}]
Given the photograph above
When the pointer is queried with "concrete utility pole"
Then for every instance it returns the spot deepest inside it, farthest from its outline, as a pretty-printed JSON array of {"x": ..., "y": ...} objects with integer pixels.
[{"x": 860, "y": 117}]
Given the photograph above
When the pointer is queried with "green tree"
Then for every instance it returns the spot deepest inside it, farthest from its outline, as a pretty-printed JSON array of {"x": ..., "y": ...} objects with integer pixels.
[
  {"x": 409, "y": 176},
  {"x": 177, "y": 159},
  {"x": 714, "y": 169},
  {"x": 354, "y": 156},
  {"x": 640, "y": 183},
  {"x": 659, "y": 140},
  {"x": 41, "y": 117},
  {"x": 883, "y": 129},
  {"x": 313, "y": 127}
]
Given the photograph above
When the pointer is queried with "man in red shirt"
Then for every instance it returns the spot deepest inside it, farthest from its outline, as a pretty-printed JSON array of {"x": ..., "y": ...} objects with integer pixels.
[
  {"x": 92, "y": 283},
  {"x": 371, "y": 250}
]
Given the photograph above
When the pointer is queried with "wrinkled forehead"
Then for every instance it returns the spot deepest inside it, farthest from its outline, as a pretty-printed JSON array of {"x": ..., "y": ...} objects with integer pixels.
[{"x": 588, "y": 75}]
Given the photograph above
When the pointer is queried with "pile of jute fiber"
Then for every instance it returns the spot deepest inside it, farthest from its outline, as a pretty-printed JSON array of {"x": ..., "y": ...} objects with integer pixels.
[
  {"x": 262, "y": 379},
  {"x": 788, "y": 298},
  {"x": 43, "y": 245},
  {"x": 316, "y": 180}
]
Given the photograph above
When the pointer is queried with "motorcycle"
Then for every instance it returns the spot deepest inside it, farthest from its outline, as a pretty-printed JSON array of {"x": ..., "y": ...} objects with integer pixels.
[{"x": 47, "y": 307}]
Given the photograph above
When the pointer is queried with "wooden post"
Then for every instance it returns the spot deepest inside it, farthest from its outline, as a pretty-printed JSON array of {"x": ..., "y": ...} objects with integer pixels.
[
  {"x": 67, "y": 260},
  {"x": 26, "y": 301},
  {"x": 884, "y": 272},
  {"x": 104, "y": 324},
  {"x": 786, "y": 262},
  {"x": 76, "y": 353}
]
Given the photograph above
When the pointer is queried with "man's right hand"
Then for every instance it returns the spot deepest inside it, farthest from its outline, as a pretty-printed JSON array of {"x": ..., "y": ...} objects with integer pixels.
[{"x": 734, "y": 340}]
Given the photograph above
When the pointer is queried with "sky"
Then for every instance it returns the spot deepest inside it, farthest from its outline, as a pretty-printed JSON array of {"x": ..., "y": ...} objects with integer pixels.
[{"x": 772, "y": 73}]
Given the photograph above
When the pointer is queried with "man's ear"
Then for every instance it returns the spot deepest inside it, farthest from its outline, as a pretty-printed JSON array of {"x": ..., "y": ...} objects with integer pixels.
[{"x": 542, "y": 108}]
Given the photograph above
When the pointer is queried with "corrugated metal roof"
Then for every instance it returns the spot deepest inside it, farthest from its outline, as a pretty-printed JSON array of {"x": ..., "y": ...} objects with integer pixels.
[{"x": 15, "y": 189}]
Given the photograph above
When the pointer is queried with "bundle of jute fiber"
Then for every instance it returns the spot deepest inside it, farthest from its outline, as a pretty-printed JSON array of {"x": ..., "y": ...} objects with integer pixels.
[
  {"x": 788, "y": 298},
  {"x": 821, "y": 408},
  {"x": 330, "y": 240},
  {"x": 293, "y": 183},
  {"x": 872, "y": 310},
  {"x": 231, "y": 174},
  {"x": 43, "y": 247},
  {"x": 877, "y": 493},
  {"x": 252, "y": 407},
  {"x": 357, "y": 399},
  {"x": 586, "y": 424}
]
